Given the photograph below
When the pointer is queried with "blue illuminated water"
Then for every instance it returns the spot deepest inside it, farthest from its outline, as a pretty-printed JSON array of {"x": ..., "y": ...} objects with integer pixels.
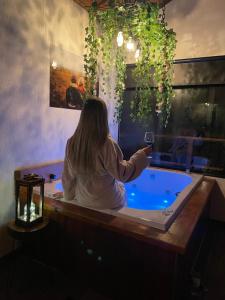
[
  {"x": 153, "y": 190},
  {"x": 148, "y": 201}
]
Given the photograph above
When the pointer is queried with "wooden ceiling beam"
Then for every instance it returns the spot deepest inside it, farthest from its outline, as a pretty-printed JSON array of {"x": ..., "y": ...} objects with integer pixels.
[{"x": 103, "y": 4}]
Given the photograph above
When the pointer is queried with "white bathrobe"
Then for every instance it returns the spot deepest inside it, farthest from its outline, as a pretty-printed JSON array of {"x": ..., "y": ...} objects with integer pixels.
[{"x": 104, "y": 189}]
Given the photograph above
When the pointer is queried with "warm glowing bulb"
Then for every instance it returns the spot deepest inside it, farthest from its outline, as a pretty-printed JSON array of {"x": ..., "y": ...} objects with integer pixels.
[
  {"x": 54, "y": 64},
  {"x": 137, "y": 54},
  {"x": 120, "y": 39},
  {"x": 130, "y": 44}
]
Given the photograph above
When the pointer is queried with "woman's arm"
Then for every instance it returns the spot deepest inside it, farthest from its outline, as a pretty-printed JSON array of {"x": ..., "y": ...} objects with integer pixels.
[{"x": 121, "y": 169}]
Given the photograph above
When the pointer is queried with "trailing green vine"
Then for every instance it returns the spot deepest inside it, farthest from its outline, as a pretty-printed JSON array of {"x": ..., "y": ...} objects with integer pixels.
[
  {"x": 108, "y": 29},
  {"x": 154, "y": 67},
  {"x": 91, "y": 56},
  {"x": 120, "y": 86}
]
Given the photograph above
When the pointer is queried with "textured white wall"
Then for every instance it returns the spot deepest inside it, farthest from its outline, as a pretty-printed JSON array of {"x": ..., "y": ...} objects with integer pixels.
[
  {"x": 31, "y": 132},
  {"x": 200, "y": 27}
]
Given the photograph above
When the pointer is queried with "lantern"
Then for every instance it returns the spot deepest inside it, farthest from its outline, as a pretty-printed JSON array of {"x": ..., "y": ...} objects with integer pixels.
[{"x": 29, "y": 200}]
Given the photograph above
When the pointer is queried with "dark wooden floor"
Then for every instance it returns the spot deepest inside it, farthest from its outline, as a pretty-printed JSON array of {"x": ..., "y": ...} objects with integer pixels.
[{"x": 24, "y": 278}]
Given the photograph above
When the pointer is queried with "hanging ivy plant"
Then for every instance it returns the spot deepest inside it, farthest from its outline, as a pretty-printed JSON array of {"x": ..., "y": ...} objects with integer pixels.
[
  {"x": 120, "y": 85},
  {"x": 154, "y": 67},
  {"x": 92, "y": 51}
]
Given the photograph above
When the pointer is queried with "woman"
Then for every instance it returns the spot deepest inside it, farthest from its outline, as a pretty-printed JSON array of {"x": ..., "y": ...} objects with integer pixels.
[{"x": 94, "y": 163}]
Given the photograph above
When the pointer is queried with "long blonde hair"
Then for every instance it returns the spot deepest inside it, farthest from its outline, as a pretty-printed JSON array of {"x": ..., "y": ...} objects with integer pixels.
[{"x": 90, "y": 136}]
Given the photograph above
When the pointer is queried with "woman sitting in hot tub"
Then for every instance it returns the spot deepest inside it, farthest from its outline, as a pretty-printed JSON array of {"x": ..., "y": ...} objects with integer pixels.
[{"x": 94, "y": 164}]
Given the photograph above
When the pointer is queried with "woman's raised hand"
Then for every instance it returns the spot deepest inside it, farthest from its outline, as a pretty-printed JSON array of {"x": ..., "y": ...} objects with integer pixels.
[{"x": 147, "y": 150}]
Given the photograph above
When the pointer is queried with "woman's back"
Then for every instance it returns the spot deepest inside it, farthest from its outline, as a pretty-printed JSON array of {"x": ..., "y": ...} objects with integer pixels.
[{"x": 103, "y": 189}]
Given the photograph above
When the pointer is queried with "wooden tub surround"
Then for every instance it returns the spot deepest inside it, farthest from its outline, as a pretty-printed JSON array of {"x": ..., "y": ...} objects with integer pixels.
[{"x": 123, "y": 258}]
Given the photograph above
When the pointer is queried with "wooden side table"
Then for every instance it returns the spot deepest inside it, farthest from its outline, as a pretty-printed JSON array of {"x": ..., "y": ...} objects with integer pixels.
[
  {"x": 31, "y": 246},
  {"x": 27, "y": 235}
]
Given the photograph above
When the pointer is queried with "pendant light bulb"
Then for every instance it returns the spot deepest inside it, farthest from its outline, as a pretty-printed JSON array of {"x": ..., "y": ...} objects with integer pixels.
[
  {"x": 120, "y": 39},
  {"x": 54, "y": 64},
  {"x": 130, "y": 44}
]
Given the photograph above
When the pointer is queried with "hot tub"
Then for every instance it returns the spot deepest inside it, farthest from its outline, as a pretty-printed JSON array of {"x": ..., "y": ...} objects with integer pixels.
[{"x": 154, "y": 198}]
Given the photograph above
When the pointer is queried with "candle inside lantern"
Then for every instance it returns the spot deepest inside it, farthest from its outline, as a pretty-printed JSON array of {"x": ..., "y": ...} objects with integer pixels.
[
  {"x": 32, "y": 212},
  {"x": 29, "y": 200}
]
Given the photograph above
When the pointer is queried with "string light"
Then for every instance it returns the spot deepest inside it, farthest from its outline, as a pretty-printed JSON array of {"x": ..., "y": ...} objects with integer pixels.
[
  {"x": 120, "y": 39},
  {"x": 130, "y": 44},
  {"x": 54, "y": 64}
]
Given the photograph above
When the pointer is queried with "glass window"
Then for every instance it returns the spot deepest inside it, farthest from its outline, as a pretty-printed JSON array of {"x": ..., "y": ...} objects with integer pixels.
[{"x": 195, "y": 136}]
